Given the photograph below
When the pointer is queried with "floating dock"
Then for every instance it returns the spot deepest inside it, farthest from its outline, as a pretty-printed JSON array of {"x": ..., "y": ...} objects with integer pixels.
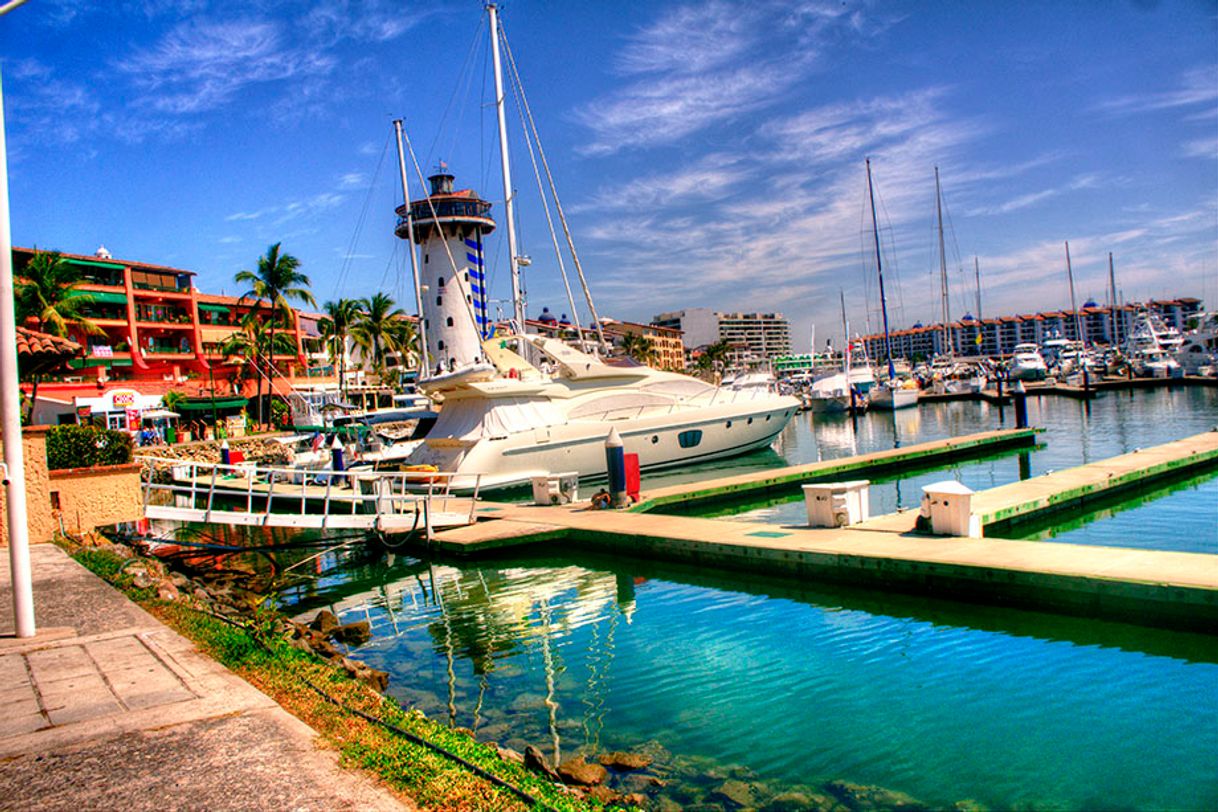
[
  {"x": 1165, "y": 588},
  {"x": 921, "y": 456}
]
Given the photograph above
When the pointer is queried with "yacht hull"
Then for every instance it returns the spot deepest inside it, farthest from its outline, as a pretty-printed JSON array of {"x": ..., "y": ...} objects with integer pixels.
[{"x": 661, "y": 441}]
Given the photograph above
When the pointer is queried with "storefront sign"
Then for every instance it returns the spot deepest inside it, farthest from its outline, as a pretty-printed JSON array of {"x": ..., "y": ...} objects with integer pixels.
[{"x": 124, "y": 398}]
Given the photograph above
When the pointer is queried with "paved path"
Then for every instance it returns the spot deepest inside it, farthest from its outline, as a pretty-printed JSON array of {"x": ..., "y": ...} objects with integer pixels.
[{"x": 107, "y": 708}]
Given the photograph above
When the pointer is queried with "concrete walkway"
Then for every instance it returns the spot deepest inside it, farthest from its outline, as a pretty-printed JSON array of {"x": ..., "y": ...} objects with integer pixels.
[{"x": 107, "y": 708}]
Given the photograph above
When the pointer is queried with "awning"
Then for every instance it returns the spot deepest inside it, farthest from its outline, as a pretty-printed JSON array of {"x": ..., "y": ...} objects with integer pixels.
[
  {"x": 114, "y": 266},
  {"x": 155, "y": 413},
  {"x": 108, "y": 363},
  {"x": 214, "y": 334},
  {"x": 211, "y": 308},
  {"x": 99, "y": 296},
  {"x": 207, "y": 404}
]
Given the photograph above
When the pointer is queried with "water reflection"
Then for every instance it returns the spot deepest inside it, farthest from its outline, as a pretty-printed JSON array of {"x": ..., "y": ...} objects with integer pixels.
[{"x": 583, "y": 651}]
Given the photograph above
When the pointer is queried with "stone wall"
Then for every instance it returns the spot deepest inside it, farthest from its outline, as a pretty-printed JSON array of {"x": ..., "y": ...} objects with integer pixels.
[
  {"x": 38, "y": 503},
  {"x": 93, "y": 497},
  {"x": 87, "y": 497}
]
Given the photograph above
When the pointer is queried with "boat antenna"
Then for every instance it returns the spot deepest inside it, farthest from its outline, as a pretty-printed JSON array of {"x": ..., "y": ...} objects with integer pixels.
[
  {"x": 505, "y": 165},
  {"x": 414, "y": 259},
  {"x": 1112, "y": 303},
  {"x": 879, "y": 269}
]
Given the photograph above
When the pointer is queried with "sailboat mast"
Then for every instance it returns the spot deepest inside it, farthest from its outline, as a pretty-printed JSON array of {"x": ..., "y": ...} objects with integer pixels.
[
  {"x": 414, "y": 258},
  {"x": 508, "y": 196},
  {"x": 1112, "y": 303},
  {"x": 846, "y": 337},
  {"x": 977, "y": 276},
  {"x": 947, "y": 330},
  {"x": 879, "y": 269},
  {"x": 1078, "y": 324}
]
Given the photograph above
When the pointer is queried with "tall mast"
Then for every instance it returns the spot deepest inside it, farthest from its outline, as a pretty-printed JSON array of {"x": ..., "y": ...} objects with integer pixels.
[
  {"x": 414, "y": 259},
  {"x": 508, "y": 196},
  {"x": 1078, "y": 324},
  {"x": 879, "y": 269},
  {"x": 1112, "y": 303},
  {"x": 846, "y": 333},
  {"x": 977, "y": 276},
  {"x": 947, "y": 330}
]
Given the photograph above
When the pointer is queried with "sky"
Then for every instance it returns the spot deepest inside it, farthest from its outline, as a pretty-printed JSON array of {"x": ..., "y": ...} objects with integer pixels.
[{"x": 706, "y": 154}]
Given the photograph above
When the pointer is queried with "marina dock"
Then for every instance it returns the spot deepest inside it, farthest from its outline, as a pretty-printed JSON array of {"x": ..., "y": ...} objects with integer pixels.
[
  {"x": 922, "y": 456},
  {"x": 1144, "y": 586}
]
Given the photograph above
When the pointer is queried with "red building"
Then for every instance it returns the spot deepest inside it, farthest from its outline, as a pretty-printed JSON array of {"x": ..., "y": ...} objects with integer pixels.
[{"x": 161, "y": 333}]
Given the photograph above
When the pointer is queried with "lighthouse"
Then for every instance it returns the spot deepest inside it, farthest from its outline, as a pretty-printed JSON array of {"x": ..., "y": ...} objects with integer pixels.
[{"x": 449, "y": 227}]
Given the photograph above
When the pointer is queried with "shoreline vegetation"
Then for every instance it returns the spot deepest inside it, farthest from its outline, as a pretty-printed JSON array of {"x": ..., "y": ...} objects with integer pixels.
[
  {"x": 256, "y": 644},
  {"x": 223, "y": 608}
]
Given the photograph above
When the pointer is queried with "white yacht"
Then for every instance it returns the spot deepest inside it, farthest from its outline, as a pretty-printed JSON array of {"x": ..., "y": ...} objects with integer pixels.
[
  {"x": 1151, "y": 347},
  {"x": 501, "y": 417},
  {"x": 517, "y": 423},
  {"x": 893, "y": 394},
  {"x": 1026, "y": 363},
  {"x": 1198, "y": 354}
]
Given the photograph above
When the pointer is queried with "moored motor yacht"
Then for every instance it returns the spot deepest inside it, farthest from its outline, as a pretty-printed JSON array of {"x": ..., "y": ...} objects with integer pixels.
[
  {"x": 521, "y": 423},
  {"x": 1027, "y": 364}
]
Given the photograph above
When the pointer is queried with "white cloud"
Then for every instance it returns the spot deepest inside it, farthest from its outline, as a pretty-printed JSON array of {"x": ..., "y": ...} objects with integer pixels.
[
  {"x": 201, "y": 66},
  {"x": 705, "y": 65},
  {"x": 1198, "y": 86}
]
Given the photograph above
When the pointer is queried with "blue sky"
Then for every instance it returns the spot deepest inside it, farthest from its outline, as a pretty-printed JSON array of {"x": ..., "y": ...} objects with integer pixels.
[{"x": 708, "y": 154}]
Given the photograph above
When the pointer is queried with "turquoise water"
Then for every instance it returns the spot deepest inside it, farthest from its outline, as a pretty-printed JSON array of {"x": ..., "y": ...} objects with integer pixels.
[
  {"x": 793, "y": 685},
  {"x": 1075, "y": 433}
]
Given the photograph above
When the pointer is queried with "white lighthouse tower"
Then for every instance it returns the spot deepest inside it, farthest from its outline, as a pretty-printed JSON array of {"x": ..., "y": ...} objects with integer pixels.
[{"x": 449, "y": 226}]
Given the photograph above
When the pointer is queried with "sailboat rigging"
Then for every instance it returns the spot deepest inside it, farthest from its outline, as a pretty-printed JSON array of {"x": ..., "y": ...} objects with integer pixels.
[
  {"x": 890, "y": 394},
  {"x": 506, "y": 418}
]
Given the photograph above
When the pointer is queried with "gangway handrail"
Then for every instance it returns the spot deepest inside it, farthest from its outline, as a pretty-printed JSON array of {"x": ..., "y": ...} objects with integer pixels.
[{"x": 190, "y": 477}]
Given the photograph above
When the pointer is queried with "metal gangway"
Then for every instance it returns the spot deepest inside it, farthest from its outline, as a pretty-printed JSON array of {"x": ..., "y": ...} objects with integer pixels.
[{"x": 391, "y": 503}]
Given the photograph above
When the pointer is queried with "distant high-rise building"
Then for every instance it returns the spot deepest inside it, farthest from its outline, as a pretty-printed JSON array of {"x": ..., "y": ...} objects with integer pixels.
[{"x": 760, "y": 335}]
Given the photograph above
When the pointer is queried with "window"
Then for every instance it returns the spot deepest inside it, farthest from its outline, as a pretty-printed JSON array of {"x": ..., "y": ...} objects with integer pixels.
[
  {"x": 440, "y": 282},
  {"x": 690, "y": 439},
  {"x": 439, "y": 301},
  {"x": 439, "y": 345},
  {"x": 426, "y": 258},
  {"x": 655, "y": 438},
  {"x": 450, "y": 321},
  {"x": 729, "y": 424}
]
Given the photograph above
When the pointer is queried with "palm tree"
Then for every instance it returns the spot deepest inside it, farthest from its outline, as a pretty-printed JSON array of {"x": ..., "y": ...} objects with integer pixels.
[
  {"x": 341, "y": 317},
  {"x": 276, "y": 281},
  {"x": 639, "y": 347},
  {"x": 714, "y": 356},
  {"x": 47, "y": 294},
  {"x": 249, "y": 344},
  {"x": 380, "y": 328}
]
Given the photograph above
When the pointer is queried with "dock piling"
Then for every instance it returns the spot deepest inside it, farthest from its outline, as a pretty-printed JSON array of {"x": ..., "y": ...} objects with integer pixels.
[
  {"x": 1020, "y": 396},
  {"x": 615, "y": 462}
]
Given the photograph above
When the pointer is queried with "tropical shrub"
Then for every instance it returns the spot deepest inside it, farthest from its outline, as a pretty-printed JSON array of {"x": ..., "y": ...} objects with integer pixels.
[{"x": 86, "y": 446}]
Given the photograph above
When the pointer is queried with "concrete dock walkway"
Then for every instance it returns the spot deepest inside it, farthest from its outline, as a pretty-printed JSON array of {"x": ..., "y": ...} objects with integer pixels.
[
  {"x": 107, "y": 708},
  {"x": 1152, "y": 587}
]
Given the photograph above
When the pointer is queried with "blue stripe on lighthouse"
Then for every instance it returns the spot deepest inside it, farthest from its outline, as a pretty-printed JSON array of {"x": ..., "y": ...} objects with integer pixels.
[
  {"x": 474, "y": 258},
  {"x": 474, "y": 244},
  {"x": 477, "y": 291}
]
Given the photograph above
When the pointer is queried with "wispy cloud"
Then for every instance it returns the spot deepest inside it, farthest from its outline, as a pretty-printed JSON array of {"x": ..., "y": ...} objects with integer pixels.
[
  {"x": 703, "y": 65},
  {"x": 1198, "y": 86},
  {"x": 1086, "y": 181},
  {"x": 201, "y": 66}
]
